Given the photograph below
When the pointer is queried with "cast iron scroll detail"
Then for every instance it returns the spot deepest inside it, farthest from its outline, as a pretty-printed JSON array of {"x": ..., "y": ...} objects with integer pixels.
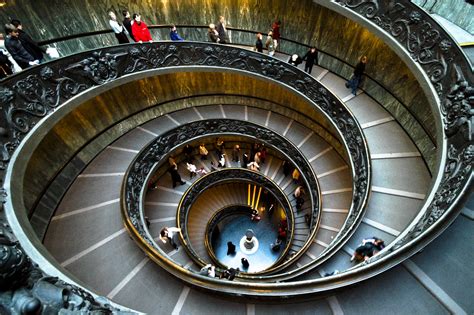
[
  {"x": 232, "y": 175},
  {"x": 25, "y": 289},
  {"x": 30, "y": 96},
  {"x": 451, "y": 76}
]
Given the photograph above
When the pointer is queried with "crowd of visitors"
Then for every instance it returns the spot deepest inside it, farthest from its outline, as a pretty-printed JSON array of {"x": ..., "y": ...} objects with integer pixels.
[{"x": 19, "y": 51}]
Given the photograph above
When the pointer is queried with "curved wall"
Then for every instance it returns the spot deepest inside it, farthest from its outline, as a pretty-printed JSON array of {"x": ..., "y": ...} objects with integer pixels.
[{"x": 302, "y": 21}]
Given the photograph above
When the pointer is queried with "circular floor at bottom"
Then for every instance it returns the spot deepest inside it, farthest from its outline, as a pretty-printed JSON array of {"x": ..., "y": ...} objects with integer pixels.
[{"x": 266, "y": 232}]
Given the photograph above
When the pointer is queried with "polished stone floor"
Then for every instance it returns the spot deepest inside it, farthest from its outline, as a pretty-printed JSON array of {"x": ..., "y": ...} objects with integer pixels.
[{"x": 265, "y": 232}]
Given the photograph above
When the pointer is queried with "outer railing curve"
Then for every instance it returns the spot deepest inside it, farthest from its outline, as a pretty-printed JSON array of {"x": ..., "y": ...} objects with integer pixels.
[
  {"x": 448, "y": 72},
  {"x": 32, "y": 95}
]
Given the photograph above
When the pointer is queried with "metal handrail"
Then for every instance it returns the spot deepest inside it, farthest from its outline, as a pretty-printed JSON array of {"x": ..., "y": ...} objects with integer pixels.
[
  {"x": 450, "y": 87},
  {"x": 79, "y": 73}
]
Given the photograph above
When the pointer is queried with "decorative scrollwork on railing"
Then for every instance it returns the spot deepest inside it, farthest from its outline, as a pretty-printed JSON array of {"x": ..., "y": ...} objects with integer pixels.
[
  {"x": 450, "y": 74},
  {"x": 32, "y": 95},
  {"x": 230, "y": 175}
]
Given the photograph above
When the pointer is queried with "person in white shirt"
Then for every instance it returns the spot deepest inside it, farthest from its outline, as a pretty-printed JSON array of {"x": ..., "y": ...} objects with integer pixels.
[
  {"x": 119, "y": 30},
  {"x": 170, "y": 234},
  {"x": 192, "y": 169},
  {"x": 208, "y": 270},
  {"x": 222, "y": 160}
]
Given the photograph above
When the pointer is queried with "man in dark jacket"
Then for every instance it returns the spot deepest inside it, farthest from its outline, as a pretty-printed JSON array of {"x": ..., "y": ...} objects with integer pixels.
[
  {"x": 127, "y": 22},
  {"x": 16, "y": 49},
  {"x": 28, "y": 43},
  {"x": 221, "y": 29},
  {"x": 356, "y": 78},
  {"x": 311, "y": 58}
]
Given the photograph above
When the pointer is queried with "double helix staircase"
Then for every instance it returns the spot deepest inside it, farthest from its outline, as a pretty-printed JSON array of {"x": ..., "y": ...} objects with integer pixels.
[
  {"x": 86, "y": 232},
  {"x": 87, "y": 237}
]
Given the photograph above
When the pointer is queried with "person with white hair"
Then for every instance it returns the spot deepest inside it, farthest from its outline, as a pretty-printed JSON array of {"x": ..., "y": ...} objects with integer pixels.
[
  {"x": 295, "y": 60},
  {"x": 119, "y": 30},
  {"x": 213, "y": 34},
  {"x": 270, "y": 44}
]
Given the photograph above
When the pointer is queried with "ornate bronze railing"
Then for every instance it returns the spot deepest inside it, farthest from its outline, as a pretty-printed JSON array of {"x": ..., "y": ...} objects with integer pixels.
[
  {"x": 35, "y": 93},
  {"x": 235, "y": 175},
  {"x": 443, "y": 70}
]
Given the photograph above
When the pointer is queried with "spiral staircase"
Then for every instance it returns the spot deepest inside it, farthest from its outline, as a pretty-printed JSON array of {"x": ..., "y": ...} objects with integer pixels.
[{"x": 364, "y": 175}]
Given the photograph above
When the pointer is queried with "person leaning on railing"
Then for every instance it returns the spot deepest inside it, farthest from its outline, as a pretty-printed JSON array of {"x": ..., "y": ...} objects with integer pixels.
[
  {"x": 222, "y": 31},
  {"x": 140, "y": 30},
  {"x": 213, "y": 34},
  {"x": 259, "y": 43},
  {"x": 5, "y": 66},
  {"x": 269, "y": 43},
  {"x": 174, "y": 36},
  {"x": 15, "y": 67},
  {"x": 119, "y": 30},
  {"x": 30, "y": 45},
  {"x": 16, "y": 48},
  {"x": 127, "y": 23}
]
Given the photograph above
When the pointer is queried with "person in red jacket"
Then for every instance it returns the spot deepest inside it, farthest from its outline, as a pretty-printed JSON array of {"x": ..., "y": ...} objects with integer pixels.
[{"x": 140, "y": 30}]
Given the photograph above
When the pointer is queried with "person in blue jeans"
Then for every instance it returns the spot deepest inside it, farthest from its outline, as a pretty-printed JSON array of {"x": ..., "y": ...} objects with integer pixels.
[{"x": 356, "y": 78}]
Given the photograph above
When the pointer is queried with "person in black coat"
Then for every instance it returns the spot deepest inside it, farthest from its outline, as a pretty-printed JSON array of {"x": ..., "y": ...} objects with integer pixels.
[
  {"x": 127, "y": 23},
  {"x": 175, "y": 177},
  {"x": 30, "y": 45},
  {"x": 245, "y": 160},
  {"x": 245, "y": 263},
  {"x": 311, "y": 58},
  {"x": 230, "y": 248},
  {"x": 16, "y": 49},
  {"x": 356, "y": 78},
  {"x": 229, "y": 273},
  {"x": 5, "y": 66},
  {"x": 259, "y": 43},
  {"x": 222, "y": 31}
]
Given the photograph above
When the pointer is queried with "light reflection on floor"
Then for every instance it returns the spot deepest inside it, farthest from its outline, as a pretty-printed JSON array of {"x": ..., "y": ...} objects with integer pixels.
[{"x": 266, "y": 233}]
